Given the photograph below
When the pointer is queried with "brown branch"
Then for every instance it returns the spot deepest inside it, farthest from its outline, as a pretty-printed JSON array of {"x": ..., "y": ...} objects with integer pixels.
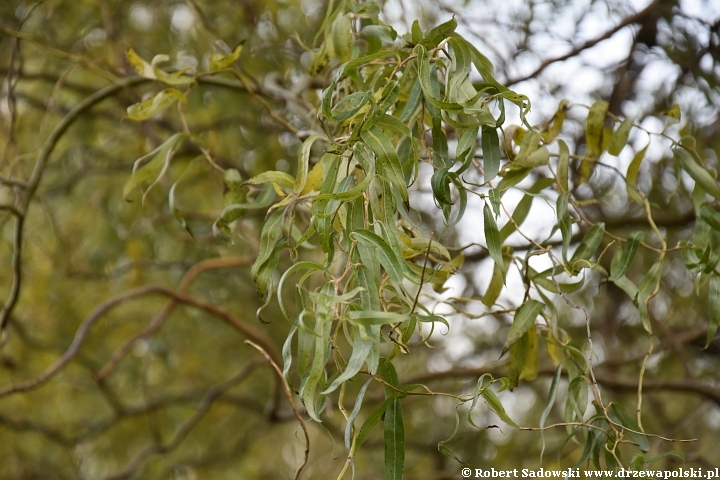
[
  {"x": 160, "y": 318},
  {"x": 687, "y": 385},
  {"x": 632, "y": 19},
  {"x": 185, "y": 428},
  {"x": 247, "y": 330},
  {"x": 288, "y": 394},
  {"x": 35, "y": 178}
]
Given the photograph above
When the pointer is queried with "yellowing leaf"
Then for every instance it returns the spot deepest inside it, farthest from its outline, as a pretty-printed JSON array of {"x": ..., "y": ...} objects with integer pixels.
[
  {"x": 218, "y": 61},
  {"x": 673, "y": 114},
  {"x": 141, "y": 67},
  {"x": 155, "y": 104}
]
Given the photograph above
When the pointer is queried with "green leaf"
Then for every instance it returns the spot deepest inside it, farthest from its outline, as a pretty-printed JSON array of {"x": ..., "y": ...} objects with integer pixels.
[
  {"x": 620, "y": 137},
  {"x": 438, "y": 34},
  {"x": 341, "y": 31},
  {"x": 564, "y": 221},
  {"x": 361, "y": 350},
  {"x": 377, "y": 317},
  {"x": 382, "y": 250},
  {"x": 425, "y": 82},
  {"x": 646, "y": 291},
  {"x": 632, "y": 175},
  {"x": 628, "y": 421},
  {"x": 518, "y": 355},
  {"x": 556, "y": 124},
  {"x": 272, "y": 176},
  {"x": 153, "y": 165},
  {"x": 593, "y": 139},
  {"x": 387, "y": 158},
  {"x": 713, "y": 308},
  {"x": 234, "y": 211},
  {"x": 523, "y": 320},
  {"x": 492, "y": 237},
  {"x": 443, "y": 448},
  {"x": 494, "y": 403},
  {"x": 562, "y": 168},
  {"x": 155, "y": 104},
  {"x": 698, "y": 173},
  {"x": 491, "y": 152},
  {"x": 384, "y": 32},
  {"x": 271, "y": 235},
  {"x": 587, "y": 248},
  {"x": 303, "y": 163},
  {"x": 549, "y": 404},
  {"x": 349, "y": 106},
  {"x": 495, "y": 288},
  {"x": 388, "y": 122},
  {"x": 371, "y": 421},
  {"x": 218, "y": 61},
  {"x": 353, "y": 415},
  {"x": 394, "y": 431},
  {"x": 624, "y": 256}
]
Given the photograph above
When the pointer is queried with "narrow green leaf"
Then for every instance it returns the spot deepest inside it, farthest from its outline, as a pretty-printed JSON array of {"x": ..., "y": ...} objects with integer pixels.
[
  {"x": 443, "y": 448},
  {"x": 387, "y": 158},
  {"x": 628, "y": 421},
  {"x": 587, "y": 248},
  {"x": 272, "y": 176},
  {"x": 371, "y": 421},
  {"x": 361, "y": 349},
  {"x": 377, "y": 317},
  {"x": 491, "y": 152},
  {"x": 564, "y": 221},
  {"x": 494, "y": 403},
  {"x": 492, "y": 237},
  {"x": 153, "y": 165},
  {"x": 495, "y": 287},
  {"x": 349, "y": 106},
  {"x": 303, "y": 163},
  {"x": 620, "y": 137},
  {"x": 624, "y": 256},
  {"x": 645, "y": 292},
  {"x": 593, "y": 139},
  {"x": 518, "y": 355},
  {"x": 632, "y": 176},
  {"x": 425, "y": 82},
  {"x": 384, "y": 253},
  {"x": 563, "y": 161},
  {"x": 549, "y": 404},
  {"x": 698, "y": 173},
  {"x": 713, "y": 308},
  {"x": 523, "y": 320},
  {"x": 394, "y": 430},
  {"x": 353, "y": 415},
  {"x": 341, "y": 31}
]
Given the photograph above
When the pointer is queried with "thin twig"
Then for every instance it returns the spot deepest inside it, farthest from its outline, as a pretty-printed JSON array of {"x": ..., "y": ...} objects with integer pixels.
[{"x": 288, "y": 394}]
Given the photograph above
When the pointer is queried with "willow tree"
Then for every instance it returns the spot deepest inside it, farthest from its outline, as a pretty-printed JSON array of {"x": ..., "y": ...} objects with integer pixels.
[{"x": 193, "y": 208}]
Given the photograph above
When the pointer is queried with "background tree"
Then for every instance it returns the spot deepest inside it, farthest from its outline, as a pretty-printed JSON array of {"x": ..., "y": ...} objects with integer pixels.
[{"x": 124, "y": 321}]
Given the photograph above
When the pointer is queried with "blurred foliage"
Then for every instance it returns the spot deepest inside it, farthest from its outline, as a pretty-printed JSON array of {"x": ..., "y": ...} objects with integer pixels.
[{"x": 123, "y": 355}]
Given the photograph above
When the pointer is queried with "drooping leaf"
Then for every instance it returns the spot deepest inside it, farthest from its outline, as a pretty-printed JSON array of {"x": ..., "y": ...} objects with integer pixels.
[
  {"x": 624, "y": 256},
  {"x": 523, "y": 320},
  {"x": 713, "y": 308},
  {"x": 492, "y": 237},
  {"x": 155, "y": 104},
  {"x": 632, "y": 175},
  {"x": 698, "y": 173},
  {"x": 646, "y": 291},
  {"x": 219, "y": 61},
  {"x": 620, "y": 137},
  {"x": 394, "y": 434}
]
